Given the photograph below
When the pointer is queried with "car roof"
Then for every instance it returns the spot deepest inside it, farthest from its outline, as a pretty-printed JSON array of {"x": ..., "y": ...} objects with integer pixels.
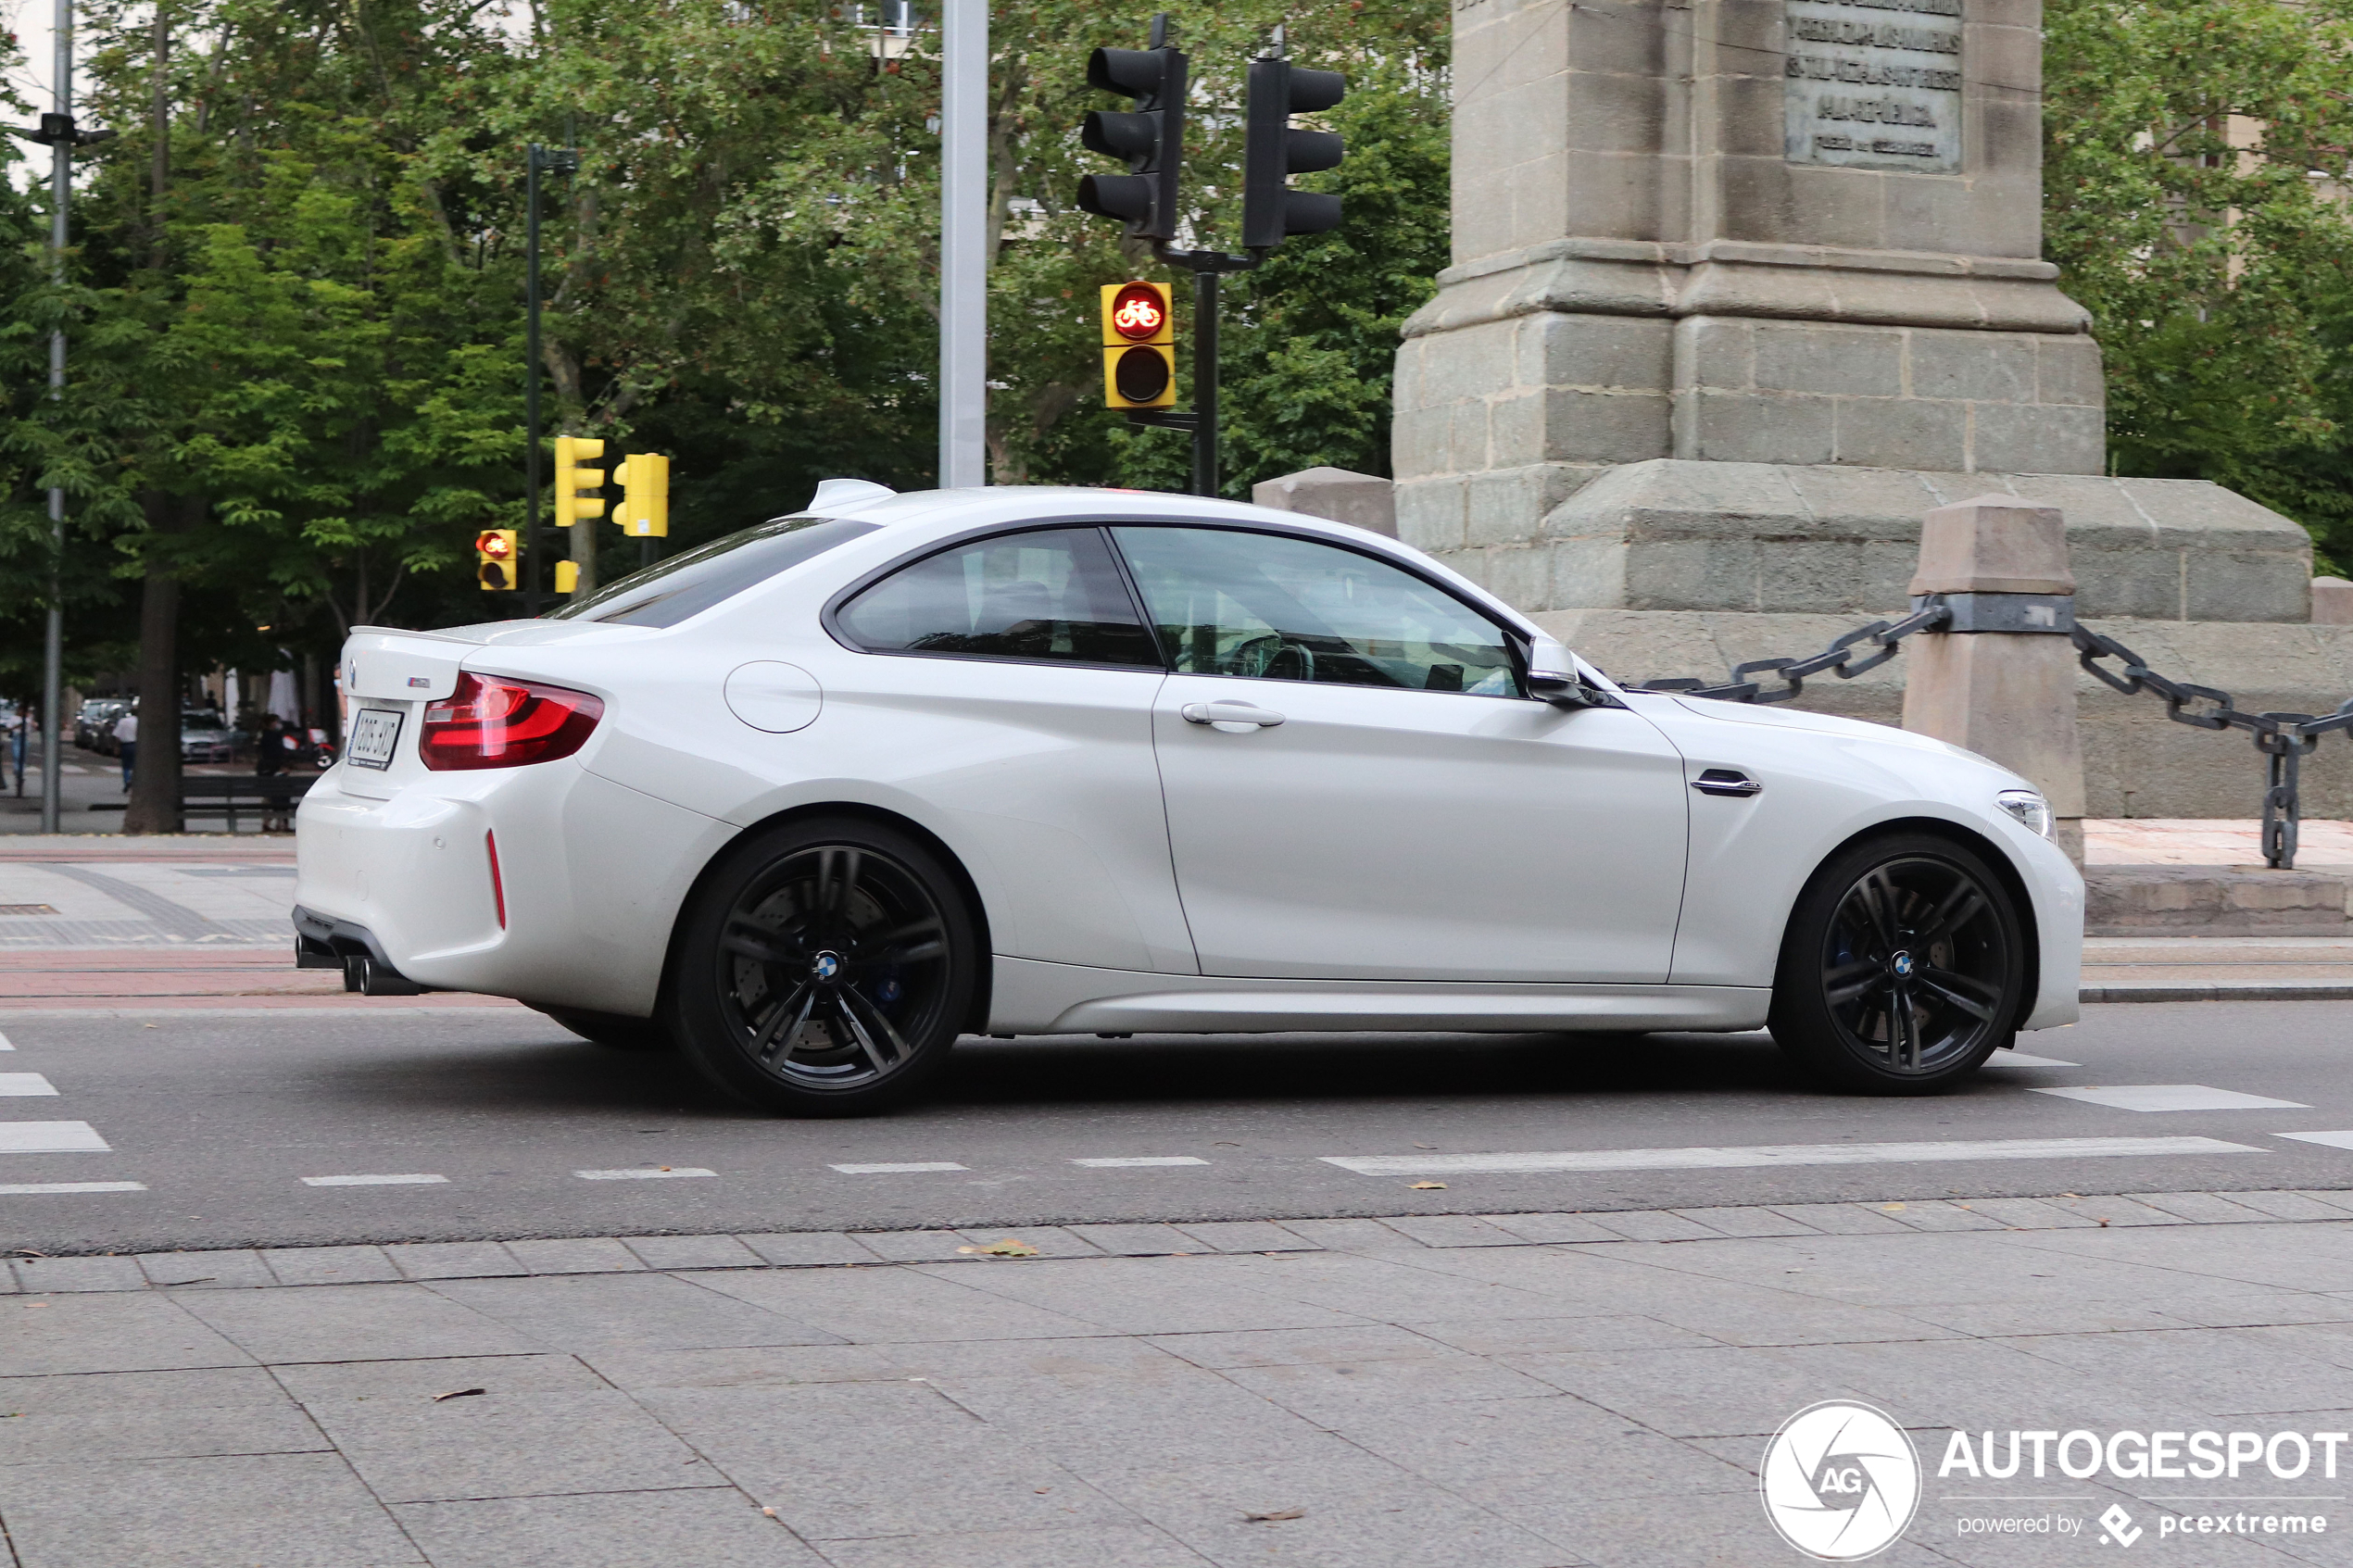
[{"x": 981, "y": 506}]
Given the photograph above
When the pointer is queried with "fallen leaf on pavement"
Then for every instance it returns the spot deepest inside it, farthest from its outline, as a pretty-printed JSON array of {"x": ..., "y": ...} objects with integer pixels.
[
  {"x": 1892, "y": 1207},
  {"x": 1007, "y": 1247},
  {"x": 1425, "y": 1187},
  {"x": 1278, "y": 1514},
  {"x": 457, "y": 1394}
]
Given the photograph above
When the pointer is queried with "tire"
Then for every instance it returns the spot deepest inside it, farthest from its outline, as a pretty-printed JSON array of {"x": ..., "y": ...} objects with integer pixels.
[
  {"x": 614, "y": 1031},
  {"x": 1902, "y": 969},
  {"x": 824, "y": 969}
]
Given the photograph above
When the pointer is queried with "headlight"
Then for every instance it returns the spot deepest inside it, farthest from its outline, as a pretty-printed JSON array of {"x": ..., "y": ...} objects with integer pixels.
[{"x": 2027, "y": 807}]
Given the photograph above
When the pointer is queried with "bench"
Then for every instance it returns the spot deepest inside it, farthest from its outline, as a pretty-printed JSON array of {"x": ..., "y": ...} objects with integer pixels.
[{"x": 214, "y": 794}]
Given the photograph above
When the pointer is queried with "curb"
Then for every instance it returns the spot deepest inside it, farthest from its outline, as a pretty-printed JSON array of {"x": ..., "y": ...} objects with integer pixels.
[{"x": 2318, "y": 991}]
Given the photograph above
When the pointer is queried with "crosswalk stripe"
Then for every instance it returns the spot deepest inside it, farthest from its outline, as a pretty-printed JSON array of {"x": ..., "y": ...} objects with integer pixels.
[
  {"x": 25, "y": 1084},
  {"x": 51, "y": 1137},
  {"x": 2170, "y": 1097},
  {"x": 1140, "y": 1160},
  {"x": 29, "y": 1189},
  {"x": 1775, "y": 1154},
  {"x": 409, "y": 1181},
  {"x": 5, "y": 1045},
  {"x": 902, "y": 1169},
  {"x": 642, "y": 1171}
]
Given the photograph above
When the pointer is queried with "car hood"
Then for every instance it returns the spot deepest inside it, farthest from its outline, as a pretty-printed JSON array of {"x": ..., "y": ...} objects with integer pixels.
[{"x": 1825, "y": 725}]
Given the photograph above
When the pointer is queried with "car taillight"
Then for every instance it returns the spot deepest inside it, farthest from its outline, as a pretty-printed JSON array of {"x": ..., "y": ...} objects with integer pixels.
[{"x": 491, "y": 721}]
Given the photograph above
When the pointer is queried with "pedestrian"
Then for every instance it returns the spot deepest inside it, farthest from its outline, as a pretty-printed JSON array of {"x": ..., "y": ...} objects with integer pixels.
[
  {"x": 126, "y": 734},
  {"x": 277, "y": 747}
]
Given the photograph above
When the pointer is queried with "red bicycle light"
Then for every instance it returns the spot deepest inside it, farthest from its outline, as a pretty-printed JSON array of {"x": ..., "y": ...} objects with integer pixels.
[
  {"x": 1137, "y": 312},
  {"x": 491, "y": 721}
]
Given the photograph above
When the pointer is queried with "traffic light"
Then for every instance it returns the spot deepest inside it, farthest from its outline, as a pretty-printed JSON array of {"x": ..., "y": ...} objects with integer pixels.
[
  {"x": 567, "y": 576},
  {"x": 495, "y": 559},
  {"x": 645, "y": 496},
  {"x": 572, "y": 479},
  {"x": 1140, "y": 346},
  {"x": 1151, "y": 139},
  {"x": 1272, "y": 152}
]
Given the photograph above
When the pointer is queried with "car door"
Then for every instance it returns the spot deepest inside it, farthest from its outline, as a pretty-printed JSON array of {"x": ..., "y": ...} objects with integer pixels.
[{"x": 1358, "y": 786}]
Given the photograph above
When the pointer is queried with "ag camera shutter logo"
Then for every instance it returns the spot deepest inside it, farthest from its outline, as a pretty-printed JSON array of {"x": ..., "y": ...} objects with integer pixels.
[{"x": 1841, "y": 1481}]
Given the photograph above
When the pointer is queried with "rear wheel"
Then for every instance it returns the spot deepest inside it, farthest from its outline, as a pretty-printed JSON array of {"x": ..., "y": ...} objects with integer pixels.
[
  {"x": 826, "y": 970},
  {"x": 1903, "y": 970}
]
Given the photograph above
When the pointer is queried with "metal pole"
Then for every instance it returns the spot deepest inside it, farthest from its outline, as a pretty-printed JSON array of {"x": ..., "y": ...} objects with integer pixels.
[
  {"x": 530, "y": 388},
  {"x": 964, "y": 240},
  {"x": 1205, "y": 382},
  {"x": 53, "y": 640}
]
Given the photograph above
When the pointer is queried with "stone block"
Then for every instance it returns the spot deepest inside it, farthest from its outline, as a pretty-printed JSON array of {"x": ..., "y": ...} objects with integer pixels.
[
  {"x": 1843, "y": 361},
  {"x": 1603, "y": 427},
  {"x": 1715, "y": 352},
  {"x": 1429, "y": 513},
  {"x": 1612, "y": 112},
  {"x": 1899, "y": 432},
  {"x": 2245, "y": 585},
  {"x": 2332, "y": 602},
  {"x": 1597, "y": 353},
  {"x": 2036, "y": 438},
  {"x": 2066, "y": 370},
  {"x": 1728, "y": 427},
  {"x": 1774, "y": 202},
  {"x": 1993, "y": 545},
  {"x": 1971, "y": 366},
  {"x": 2215, "y": 901},
  {"x": 1361, "y": 500}
]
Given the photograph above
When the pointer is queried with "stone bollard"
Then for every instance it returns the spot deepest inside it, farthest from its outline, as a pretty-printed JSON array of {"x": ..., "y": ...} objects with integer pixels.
[
  {"x": 2332, "y": 602},
  {"x": 1365, "y": 500},
  {"x": 1999, "y": 679}
]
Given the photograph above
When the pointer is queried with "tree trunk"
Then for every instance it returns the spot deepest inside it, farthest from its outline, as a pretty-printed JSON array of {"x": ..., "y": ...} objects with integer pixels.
[{"x": 154, "y": 777}]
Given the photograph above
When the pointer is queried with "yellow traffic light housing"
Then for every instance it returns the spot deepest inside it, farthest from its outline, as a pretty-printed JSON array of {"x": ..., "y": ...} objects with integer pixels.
[
  {"x": 644, "y": 504},
  {"x": 496, "y": 559},
  {"x": 567, "y": 577},
  {"x": 1140, "y": 346},
  {"x": 572, "y": 477}
]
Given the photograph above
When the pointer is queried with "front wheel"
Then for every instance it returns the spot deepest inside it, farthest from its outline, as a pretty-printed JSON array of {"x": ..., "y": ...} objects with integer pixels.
[
  {"x": 1904, "y": 968},
  {"x": 825, "y": 970}
]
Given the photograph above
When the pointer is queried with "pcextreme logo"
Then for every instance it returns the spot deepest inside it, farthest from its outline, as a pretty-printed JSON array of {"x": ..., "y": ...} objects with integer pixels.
[{"x": 1840, "y": 1481}]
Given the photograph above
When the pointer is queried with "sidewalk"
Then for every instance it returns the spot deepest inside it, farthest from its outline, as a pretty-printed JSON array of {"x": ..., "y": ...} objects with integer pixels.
[{"x": 1518, "y": 1392}]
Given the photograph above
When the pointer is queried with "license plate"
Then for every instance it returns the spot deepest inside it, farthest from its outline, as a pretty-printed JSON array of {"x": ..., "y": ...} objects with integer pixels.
[{"x": 374, "y": 731}]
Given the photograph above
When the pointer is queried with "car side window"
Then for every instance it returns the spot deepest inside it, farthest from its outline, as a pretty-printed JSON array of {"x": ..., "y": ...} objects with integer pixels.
[
  {"x": 1050, "y": 594},
  {"x": 1277, "y": 608}
]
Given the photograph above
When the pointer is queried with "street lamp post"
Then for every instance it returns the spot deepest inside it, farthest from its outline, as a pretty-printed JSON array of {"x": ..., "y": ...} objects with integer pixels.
[{"x": 554, "y": 160}]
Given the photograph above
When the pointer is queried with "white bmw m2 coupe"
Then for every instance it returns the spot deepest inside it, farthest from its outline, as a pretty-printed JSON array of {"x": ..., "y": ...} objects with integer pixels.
[{"x": 811, "y": 801}]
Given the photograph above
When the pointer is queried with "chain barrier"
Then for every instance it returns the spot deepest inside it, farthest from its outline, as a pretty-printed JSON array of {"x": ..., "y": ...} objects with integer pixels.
[{"x": 2284, "y": 739}]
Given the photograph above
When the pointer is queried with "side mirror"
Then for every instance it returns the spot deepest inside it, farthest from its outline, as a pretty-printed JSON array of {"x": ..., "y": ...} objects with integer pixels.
[{"x": 1552, "y": 677}]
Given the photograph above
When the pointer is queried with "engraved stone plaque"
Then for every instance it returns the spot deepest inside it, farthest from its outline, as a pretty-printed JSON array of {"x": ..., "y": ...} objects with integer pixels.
[{"x": 1875, "y": 84}]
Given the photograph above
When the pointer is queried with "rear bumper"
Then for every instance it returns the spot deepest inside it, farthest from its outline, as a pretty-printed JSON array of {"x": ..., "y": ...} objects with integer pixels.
[{"x": 592, "y": 872}]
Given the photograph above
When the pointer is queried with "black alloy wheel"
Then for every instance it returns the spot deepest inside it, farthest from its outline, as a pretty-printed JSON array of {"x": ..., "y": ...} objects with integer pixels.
[
  {"x": 1903, "y": 970},
  {"x": 826, "y": 970}
]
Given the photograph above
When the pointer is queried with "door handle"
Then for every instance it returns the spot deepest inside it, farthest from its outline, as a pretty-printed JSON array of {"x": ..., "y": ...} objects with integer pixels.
[
  {"x": 1226, "y": 711},
  {"x": 1727, "y": 780}
]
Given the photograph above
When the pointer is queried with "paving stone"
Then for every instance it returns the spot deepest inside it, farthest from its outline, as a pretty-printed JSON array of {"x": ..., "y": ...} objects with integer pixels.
[
  {"x": 1654, "y": 1225},
  {"x": 453, "y": 1260},
  {"x": 687, "y": 1529},
  {"x": 1051, "y": 1241},
  {"x": 1553, "y": 1229},
  {"x": 44, "y": 1274},
  {"x": 800, "y": 1250},
  {"x": 2113, "y": 1210},
  {"x": 224, "y": 1270},
  {"x": 916, "y": 1246},
  {"x": 1080, "y": 1546},
  {"x": 595, "y": 1255},
  {"x": 351, "y": 1323},
  {"x": 2289, "y": 1206},
  {"x": 2199, "y": 1208},
  {"x": 2029, "y": 1215},
  {"x": 1745, "y": 1221},
  {"x": 1246, "y": 1235},
  {"x": 1136, "y": 1241},
  {"x": 1351, "y": 1236},
  {"x": 586, "y": 1313},
  {"x": 1842, "y": 1219},
  {"x": 329, "y": 1265},
  {"x": 1934, "y": 1214},
  {"x": 2339, "y": 1201},
  {"x": 691, "y": 1251},
  {"x": 1452, "y": 1230},
  {"x": 278, "y": 1509}
]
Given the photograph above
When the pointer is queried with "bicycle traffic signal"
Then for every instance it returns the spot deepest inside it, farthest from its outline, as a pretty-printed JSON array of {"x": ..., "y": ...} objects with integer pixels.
[
  {"x": 496, "y": 559},
  {"x": 1140, "y": 346},
  {"x": 1151, "y": 139},
  {"x": 645, "y": 496},
  {"x": 1272, "y": 152},
  {"x": 572, "y": 506}
]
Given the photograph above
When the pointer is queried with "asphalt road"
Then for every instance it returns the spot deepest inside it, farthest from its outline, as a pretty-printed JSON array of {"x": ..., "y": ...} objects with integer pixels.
[{"x": 221, "y": 1117}]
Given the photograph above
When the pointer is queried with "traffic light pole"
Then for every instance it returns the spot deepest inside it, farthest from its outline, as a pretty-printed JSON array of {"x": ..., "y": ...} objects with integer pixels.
[
  {"x": 1205, "y": 383},
  {"x": 559, "y": 160}
]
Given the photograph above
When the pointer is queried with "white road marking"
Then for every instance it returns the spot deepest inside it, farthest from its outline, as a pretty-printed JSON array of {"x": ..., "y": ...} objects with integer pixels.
[
  {"x": 2022, "y": 1059},
  {"x": 25, "y": 1084},
  {"x": 639, "y": 1172},
  {"x": 1774, "y": 1154},
  {"x": 2333, "y": 1140},
  {"x": 28, "y": 1189},
  {"x": 899, "y": 1170},
  {"x": 5, "y": 1046},
  {"x": 2172, "y": 1096},
  {"x": 411, "y": 1181},
  {"x": 51, "y": 1137},
  {"x": 1141, "y": 1160}
]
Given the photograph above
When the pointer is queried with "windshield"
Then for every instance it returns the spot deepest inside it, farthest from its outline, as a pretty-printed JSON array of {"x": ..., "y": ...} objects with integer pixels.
[{"x": 668, "y": 591}]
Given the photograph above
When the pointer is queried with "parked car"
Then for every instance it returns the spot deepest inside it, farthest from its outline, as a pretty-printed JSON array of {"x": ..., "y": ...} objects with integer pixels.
[
  {"x": 813, "y": 799},
  {"x": 204, "y": 738},
  {"x": 93, "y": 723}
]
